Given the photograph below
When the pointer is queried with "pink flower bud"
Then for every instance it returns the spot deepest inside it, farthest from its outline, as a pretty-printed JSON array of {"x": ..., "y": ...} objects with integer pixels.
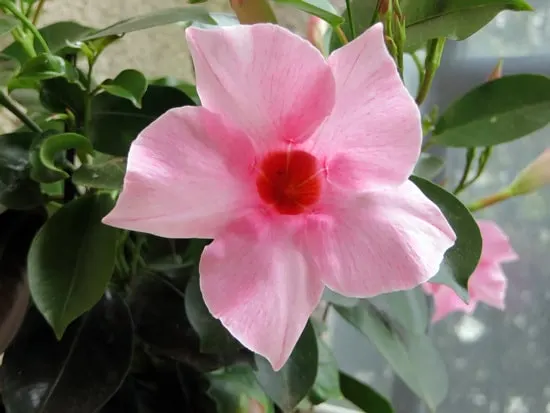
[
  {"x": 316, "y": 29},
  {"x": 534, "y": 176}
]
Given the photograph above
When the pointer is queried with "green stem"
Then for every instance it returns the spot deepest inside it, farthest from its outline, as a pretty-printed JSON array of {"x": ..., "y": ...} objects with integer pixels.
[
  {"x": 490, "y": 200},
  {"x": 24, "y": 40},
  {"x": 432, "y": 62},
  {"x": 482, "y": 162},
  {"x": 38, "y": 11},
  {"x": 419, "y": 67},
  {"x": 89, "y": 95},
  {"x": 375, "y": 14},
  {"x": 26, "y": 22},
  {"x": 10, "y": 105},
  {"x": 462, "y": 183},
  {"x": 350, "y": 19},
  {"x": 341, "y": 35}
]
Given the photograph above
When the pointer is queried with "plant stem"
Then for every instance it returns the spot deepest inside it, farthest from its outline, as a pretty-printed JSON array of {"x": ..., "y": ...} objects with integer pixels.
[
  {"x": 89, "y": 95},
  {"x": 462, "y": 183},
  {"x": 26, "y": 22},
  {"x": 419, "y": 67},
  {"x": 24, "y": 40},
  {"x": 432, "y": 62},
  {"x": 350, "y": 20},
  {"x": 341, "y": 35},
  {"x": 38, "y": 11},
  {"x": 490, "y": 200},
  {"x": 10, "y": 105}
]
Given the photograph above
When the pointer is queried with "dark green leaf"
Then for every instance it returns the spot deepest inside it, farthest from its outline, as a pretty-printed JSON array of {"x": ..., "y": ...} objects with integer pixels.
[
  {"x": 362, "y": 13},
  {"x": 105, "y": 172},
  {"x": 50, "y": 149},
  {"x": 496, "y": 112},
  {"x": 234, "y": 390},
  {"x": 320, "y": 8},
  {"x": 338, "y": 299},
  {"x": 363, "y": 396},
  {"x": 58, "y": 95},
  {"x": 8, "y": 68},
  {"x": 7, "y": 24},
  {"x": 71, "y": 260},
  {"x": 428, "y": 166},
  {"x": 154, "y": 19},
  {"x": 17, "y": 189},
  {"x": 164, "y": 254},
  {"x": 214, "y": 337},
  {"x": 158, "y": 310},
  {"x": 327, "y": 383},
  {"x": 187, "y": 88},
  {"x": 56, "y": 35},
  {"x": 288, "y": 386},
  {"x": 46, "y": 66},
  {"x": 455, "y": 19},
  {"x": 78, "y": 374},
  {"x": 129, "y": 84},
  {"x": 462, "y": 258},
  {"x": 116, "y": 122},
  {"x": 412, "y": 356}
]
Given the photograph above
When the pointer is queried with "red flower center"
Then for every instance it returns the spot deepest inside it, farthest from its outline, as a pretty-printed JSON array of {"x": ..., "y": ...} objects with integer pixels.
[{"x": 289, "y": 181}]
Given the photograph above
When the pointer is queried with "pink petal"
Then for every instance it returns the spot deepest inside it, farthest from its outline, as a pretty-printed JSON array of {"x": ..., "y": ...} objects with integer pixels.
[
  {"x": 496, "y": 244},
  {"x": 488, "y": 284},
  {"x": 446, "y": 301},
  {"x": 185, "y": 177},
  {"x": 379, "y": 242},
  {"x": 373, "y": 136},
  {"x": 258, "y": 284},
  {"x": 274, "y": 85}
]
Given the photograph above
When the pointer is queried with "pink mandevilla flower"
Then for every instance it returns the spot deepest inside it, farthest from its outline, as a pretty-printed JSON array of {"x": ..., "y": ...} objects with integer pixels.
[
  {"x": 487, "y": 284},
  {"x": 296, "y": 167}
]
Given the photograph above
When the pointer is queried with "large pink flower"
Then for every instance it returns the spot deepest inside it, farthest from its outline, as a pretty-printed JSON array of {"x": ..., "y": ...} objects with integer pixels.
[
  {"x": 487, "y": 284},
  {"x": 297, "y": 167}
]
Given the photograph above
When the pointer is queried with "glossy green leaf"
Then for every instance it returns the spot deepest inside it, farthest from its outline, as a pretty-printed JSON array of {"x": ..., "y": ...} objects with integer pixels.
[
  {"x": 72, "y": 259},
  {"x": 47, "y": 66},
  {"x": 320, "y": 8},
  {"x": 129, "y": 84},
  {"x": 56, "y": 36},
  {"x": 59, "y": 95},
  {"x": 235, "y": 389},
  {"x": 154, "y": 19},
  {"x": 17, "y": 189},
  {"x": 338, "y": 299},
  {"x": 455, "y": 19},
  {"x": 412, "y": 356},
  {"x": 116, "y": 122},
  {"x": 7, "y": 24},
  {"x": 461, "y": 259},
  {"x": 214, "y": 337},
  {"x": 428, "y": 166},
  {"x": 288, "y": 386},
  {"x": 105, "y": 172},
  {"x": 8, "y": 69},
  {"x": 78, "y": 374},
  {"x": 48, "y": 151},
  {"x": 363, "y": 396},
  {"x": 327, "y": 382},
  {"x": 496, "y": 112}
]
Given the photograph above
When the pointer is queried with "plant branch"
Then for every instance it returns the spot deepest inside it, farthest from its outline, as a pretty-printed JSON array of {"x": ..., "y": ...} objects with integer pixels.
[
  {"x": 38, "y": 11},
  {"x": 10, "y": 105},
  {"x": 432, "y": 62},
  {"x": 341, "y": 35},
  {"x": 470, "y": 154},
  {"x": 5, "y": 4}
]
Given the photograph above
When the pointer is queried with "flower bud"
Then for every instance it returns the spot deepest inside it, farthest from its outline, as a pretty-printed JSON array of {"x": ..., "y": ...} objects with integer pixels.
[
  {"x": 253, "y": 11},
  {"x": 497, "y": 71},
  {"x": 534, "y": 176},
  {"x": 383, "y": 7},
  {"x": 316, "y": 29}
]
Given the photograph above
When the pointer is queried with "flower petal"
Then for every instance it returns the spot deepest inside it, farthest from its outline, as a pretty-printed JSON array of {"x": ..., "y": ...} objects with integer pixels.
[
  {"x": 185, "y": 177},
  {"x": 373, "y": 135},
  {"x": 496, "y": 244},
  {"x": 274, "y": 85},
  {"x": 446, "y": 301},
  {"x": 381, "y": 242},
  {"x": 488, "y": 284},
  {"x": 258, "y": 284}
]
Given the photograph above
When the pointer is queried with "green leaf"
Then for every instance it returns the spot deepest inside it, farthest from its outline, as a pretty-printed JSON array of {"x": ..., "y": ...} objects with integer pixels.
[
  {"x": 235, "y": 388},
  {"x": 496, "y": 112},
  {"x": 78, "y": 374},
  {"x": 214, "y": 337},
  {"x": 288, "y": 386},
  {"x": 47, "y": 66},
  {"x": 454, "y": 19},
  {"x": 105, "y": 172},
  {"x": 56, "y": 36},
  {"x": 428, "y": 166},
  {"x": 221, "y": 19},
  {"x": 412, "y": 356},
  {"x": 154, "y": 19},
  {"x": 363, "y": 396},
  {"x": 17, "y": 189},
  {"x": 462, "y": 258},
  {"x": 362, "y": 13},
  {"x": 320, "y": 8},
  {"x": 8, "y": 68},
  {"x": 129, "y": 84},
  {"x": 116, "y": 122},
  {"x": 327, "y": 382},
  {"x": 338, "y": 299},
  {"x": 188, "y": 88},
  {"x": 7, "y": 24},
  {"x": 71, "y": 260},
  {"x": 46, "y": 155},
  {"x": 59, "y": 96}
]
